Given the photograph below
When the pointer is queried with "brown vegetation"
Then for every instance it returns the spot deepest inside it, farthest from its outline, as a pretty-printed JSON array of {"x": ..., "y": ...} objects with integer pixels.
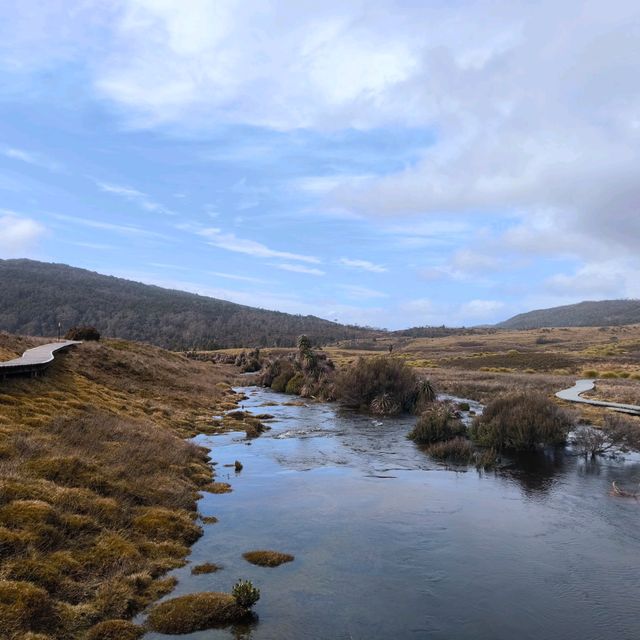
[
  {"x": 267, "y": 558},
  {"x": 196, "y": 612},
  {"x": 99, "y": 486},
  {"x": 206, "y": 567},
  {"x": 521, "y": 421},
  {"x": 437, "y": 423},
  {"x": 383, "y": 385}
]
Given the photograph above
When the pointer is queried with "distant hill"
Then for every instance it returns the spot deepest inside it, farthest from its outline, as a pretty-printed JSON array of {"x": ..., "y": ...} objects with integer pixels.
[
  {"x": 35, "y": 296},
  {"x": 583, "y": 314}
]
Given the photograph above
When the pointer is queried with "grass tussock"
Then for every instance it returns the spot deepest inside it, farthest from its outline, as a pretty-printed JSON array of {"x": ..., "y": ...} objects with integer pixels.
[
  {"x": 264, "y": 558},
  {"x": 206, "y": 567},
  {"x": 437, "y": 423},
  {"x": 99, "y": 487},
  {"x": 196, "y": 612},
  {"x": 115, "y": 630}
]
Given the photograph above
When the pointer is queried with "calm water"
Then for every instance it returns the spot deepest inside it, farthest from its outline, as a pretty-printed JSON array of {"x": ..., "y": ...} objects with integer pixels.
[{"x": 390, "y": 545}]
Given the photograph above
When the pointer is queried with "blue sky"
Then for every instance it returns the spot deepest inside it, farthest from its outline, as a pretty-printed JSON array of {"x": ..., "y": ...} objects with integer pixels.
[{"x": 390, "y": 164}]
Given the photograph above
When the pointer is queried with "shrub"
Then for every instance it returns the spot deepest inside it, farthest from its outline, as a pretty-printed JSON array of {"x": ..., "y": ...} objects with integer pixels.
[
  {"x": 295, "y": 384},
  {"x": 590, "y": 441},
  {"x": 382, "y": 385},
  {"x": 195, "y": 612},
  {"x": 521, "y": 421},
  {"x": 245, "y": 593},
  {"x": 82, "y": 333},
  {"x": 281, "y": 380},
  {"x": 437, "y": 424},
  {"x": 267, "y": 558}
]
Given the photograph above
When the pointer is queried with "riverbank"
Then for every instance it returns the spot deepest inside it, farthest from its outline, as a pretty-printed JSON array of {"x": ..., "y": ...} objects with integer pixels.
[{"x": 99, "y": 486}]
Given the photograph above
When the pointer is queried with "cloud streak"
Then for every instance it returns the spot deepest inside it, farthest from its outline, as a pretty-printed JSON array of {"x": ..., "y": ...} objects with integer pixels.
[{"x": 230, "y": 242}]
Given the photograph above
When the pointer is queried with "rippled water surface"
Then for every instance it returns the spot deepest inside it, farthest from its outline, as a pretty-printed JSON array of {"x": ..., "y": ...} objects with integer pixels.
[{"x": 390, "y": 545}]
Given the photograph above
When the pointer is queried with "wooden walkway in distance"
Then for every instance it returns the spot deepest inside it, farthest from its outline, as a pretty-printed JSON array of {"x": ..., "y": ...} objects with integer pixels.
[
  {"x": 573, "y": 395},
  {"x": 34, "y": 361}
]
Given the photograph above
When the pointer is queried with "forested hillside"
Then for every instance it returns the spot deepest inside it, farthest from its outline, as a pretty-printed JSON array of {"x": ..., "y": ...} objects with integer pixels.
[
  {"x": 583, "y": 314},
  {"x": 35, "y": 296}
]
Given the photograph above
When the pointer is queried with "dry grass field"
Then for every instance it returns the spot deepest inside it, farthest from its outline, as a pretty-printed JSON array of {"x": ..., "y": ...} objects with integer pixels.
[
  {"x": 98, "y": 485},
  {"x": 484, "y": 363}
]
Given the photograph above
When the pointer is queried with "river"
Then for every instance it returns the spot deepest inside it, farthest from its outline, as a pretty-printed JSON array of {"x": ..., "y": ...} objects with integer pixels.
[{"x": 391, "y": 545}]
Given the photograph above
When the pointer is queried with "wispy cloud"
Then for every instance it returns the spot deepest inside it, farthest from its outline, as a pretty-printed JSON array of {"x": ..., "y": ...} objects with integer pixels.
[
  {"x": 361, "y": 293},
  {"x": 365, "y": 265},
  {"x": 231, "y": 242},
  {"x": 123, "y": 229},
  {"x": 298, "y": 268},
  {"x": 133, "y": 195},
  {"x": 30, "y": 157}
]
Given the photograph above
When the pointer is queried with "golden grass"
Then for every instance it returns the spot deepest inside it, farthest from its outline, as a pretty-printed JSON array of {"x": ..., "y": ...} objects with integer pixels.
[
  {"x": 206, "y": 567},
  {"x": 485, "y": 363},
  {"x": 195, "y": 612},
  {"x": 265, "y": 558},
  {"x": 115, "y": 630},
  {"x": 99, "y": 487}
]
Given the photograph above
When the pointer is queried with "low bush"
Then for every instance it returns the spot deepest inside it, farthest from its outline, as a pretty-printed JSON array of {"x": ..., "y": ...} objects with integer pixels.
[
  {"x": 82, "y": 333},
  {"x": 295, "y": 384},
  {"x": 195, "y": 612},
  {"x": 245, "y": 593},
  {"x": 521, "y": 421},
  {"x": 438, "y": 423},
  {"x": 267, "y": 558},
  {"x": 383, "y": 385}
]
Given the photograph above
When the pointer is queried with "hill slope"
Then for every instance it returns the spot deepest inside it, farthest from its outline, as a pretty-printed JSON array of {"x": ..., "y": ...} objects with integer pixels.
[
  {"x": 35, "y": 296},
  {"x": 583, "y": 314}
]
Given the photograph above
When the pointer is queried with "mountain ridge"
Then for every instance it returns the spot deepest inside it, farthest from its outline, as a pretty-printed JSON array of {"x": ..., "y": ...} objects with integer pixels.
[
  {"x": 588, "y": 313},
  {"x": 35, "y": 296}
]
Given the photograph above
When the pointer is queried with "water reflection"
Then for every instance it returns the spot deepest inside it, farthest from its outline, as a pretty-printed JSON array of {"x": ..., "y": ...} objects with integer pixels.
[{"x": 389, "y": 544}]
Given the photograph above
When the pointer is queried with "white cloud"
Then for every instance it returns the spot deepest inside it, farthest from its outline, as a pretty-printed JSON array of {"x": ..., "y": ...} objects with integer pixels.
[
  {"x": 18, "y": 235},
  {"x": 230, "y": 242},
  {"x": 599, "y": 280},
  {"x": 133, "y": 195},
  {"x": 30, "y": 157},
  {"x": 365, "y": 265},
  {"x": 298, "y": 268}
]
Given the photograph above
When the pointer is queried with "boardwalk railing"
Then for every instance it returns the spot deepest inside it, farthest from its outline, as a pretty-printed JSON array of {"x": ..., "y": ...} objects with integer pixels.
[{"x": 34, "y": 361}]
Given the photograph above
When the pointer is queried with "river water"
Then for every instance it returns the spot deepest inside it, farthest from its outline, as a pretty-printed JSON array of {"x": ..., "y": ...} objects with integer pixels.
[{"x": 390, "y": 545}]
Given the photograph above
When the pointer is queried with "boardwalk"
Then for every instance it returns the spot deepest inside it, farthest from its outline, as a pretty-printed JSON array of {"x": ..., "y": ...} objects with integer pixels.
[
  {"x": 35, "y": 360},
  {"x": 573, "y": 395}
]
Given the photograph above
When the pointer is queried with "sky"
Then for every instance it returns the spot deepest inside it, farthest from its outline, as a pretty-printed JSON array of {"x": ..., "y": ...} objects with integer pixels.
[{"x": 387, "y": 163}]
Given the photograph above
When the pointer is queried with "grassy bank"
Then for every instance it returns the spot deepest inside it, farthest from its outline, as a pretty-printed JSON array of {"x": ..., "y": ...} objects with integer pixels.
[{"x": 99, "y": 487}]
